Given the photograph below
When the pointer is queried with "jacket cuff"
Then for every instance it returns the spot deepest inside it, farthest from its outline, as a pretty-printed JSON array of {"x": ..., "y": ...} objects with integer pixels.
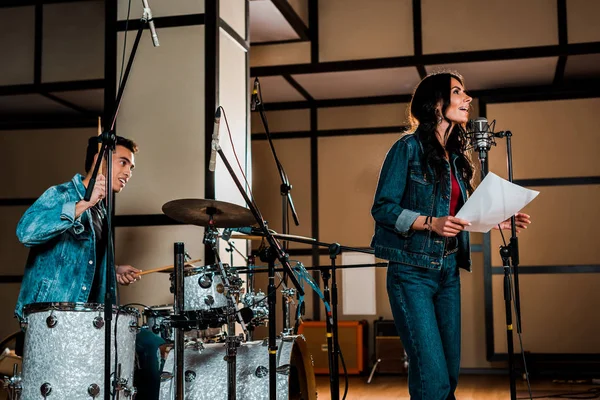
[
  {"x": 68, "y": 213},
  {"x": 405, "y": 221}
]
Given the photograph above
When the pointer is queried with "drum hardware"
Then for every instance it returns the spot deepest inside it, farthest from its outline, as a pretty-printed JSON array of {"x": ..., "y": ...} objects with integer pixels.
[
  {"x": 51, "y": 321},
  {"x": 288, "y": 299},
  {"x": 94, "y": 390},
  {"x": 14, "y": 384},
  {"x": 190, "y": 376},
  {"x": 98, "y": 322},
  {"x": 46, "y": 389}
]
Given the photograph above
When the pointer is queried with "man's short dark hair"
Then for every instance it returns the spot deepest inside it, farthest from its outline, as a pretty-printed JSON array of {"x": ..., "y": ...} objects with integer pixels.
[{"x": 92, "y": 149}]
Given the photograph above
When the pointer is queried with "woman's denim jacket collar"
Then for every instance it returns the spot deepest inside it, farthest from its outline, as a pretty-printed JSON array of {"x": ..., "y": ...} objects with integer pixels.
[
  {"x": 406, "y": 189},
  {"x": 62, "y": 259}
]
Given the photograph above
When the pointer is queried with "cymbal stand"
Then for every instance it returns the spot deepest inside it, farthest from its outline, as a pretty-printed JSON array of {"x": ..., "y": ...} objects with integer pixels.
[
  {"x": 232, "y": 342},
  {"x": 13, "y": 385}
]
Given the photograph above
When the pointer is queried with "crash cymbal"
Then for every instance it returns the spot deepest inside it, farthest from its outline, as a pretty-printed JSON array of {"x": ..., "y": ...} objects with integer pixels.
[{"x": 200, "y": 212}]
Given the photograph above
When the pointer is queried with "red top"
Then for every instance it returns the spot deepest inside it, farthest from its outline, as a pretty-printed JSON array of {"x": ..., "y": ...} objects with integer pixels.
[{"x": 455, "y": 195}]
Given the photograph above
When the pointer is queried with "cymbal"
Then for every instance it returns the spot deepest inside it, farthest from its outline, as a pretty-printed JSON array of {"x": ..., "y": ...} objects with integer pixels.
[{"x": 200, "y": 212}]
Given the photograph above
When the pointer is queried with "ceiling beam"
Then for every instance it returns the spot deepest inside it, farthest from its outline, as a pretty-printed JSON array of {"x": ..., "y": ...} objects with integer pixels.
[
  {"x": 51, "y": 87},
  {"x": 429, "y": 59},
  {"x": 292, "y": 18}
]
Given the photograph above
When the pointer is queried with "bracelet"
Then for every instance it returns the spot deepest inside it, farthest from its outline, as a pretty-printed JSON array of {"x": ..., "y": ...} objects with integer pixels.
[{"x": 428, "y": 221}]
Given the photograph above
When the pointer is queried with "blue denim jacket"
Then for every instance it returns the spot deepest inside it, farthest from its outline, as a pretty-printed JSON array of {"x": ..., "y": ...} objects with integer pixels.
[
  {"x": 62, "y": 259},
  {"x": 406, "y": 190}
]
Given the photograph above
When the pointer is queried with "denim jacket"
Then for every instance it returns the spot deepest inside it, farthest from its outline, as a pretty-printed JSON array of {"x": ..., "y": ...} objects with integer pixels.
[
  {"x": 407, "y": 189},
  {"x": 62, "y": 258}
]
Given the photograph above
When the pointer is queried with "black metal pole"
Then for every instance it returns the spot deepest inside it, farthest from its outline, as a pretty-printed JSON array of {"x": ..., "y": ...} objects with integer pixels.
[
  {"x": 334, "y": 250},
  {"x": 333, "y": 387},
  {"x": 179, "y": 262},
  {"x": 272, "y": 329},
  {"x": 505, "y": 254}
]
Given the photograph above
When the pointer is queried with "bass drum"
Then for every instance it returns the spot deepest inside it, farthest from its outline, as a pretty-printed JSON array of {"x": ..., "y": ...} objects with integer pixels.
[
  {"x": 64, "y": 350},
  {"x": 206, "y": 372}
]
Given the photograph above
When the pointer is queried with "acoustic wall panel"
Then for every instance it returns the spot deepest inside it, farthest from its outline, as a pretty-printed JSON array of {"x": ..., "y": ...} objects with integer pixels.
[
  {"x": 17, "y": 41},
  {"x": 73, "y": 41},
  {"x": 163, "y": 110},
  {"x": 38, "y": 159}
]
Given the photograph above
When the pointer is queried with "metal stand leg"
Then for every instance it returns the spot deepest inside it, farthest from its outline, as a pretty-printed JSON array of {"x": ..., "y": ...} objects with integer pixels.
[{"x": 373, "y": 370}]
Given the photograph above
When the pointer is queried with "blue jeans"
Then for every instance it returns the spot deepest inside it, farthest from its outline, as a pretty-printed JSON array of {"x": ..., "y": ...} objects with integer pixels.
[
  {"x": 426, "y": 307},
  {"x": 147, "y": 376}
]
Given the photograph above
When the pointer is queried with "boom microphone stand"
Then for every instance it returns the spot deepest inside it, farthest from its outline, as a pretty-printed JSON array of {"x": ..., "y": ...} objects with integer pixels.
[
  {"x": 108, "y": 140},
  {"x": 285, "y": 190},
  {"x": 510, "y": 261},
  {"x": 275, "y": 252}
]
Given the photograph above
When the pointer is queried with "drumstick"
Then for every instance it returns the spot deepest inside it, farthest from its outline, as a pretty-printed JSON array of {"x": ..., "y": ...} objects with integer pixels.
[{"x": 150, "y": 271}]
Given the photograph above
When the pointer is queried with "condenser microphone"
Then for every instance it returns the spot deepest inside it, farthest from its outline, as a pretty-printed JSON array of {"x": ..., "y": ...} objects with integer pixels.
[
  {"x": 148, "y": 17},
  {"x": 254, "y": 100},
  {"x": 481, "y": 137},
  {"x": 215, "y": 142}
]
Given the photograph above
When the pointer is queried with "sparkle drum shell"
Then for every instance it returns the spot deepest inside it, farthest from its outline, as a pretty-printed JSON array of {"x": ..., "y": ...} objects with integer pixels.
[
  {"x": 198, "y": 298},
  {"x": 206, "y": 372},
  {"x": 64, "y": 350}
]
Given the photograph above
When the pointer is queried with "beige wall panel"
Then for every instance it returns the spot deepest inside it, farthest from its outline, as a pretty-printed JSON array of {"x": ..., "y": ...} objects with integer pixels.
[
  {"x": 301, "y": 8},
  {"x": 356, "y": 29},
  {"x": 160, "y": 8},
  {"x": 294, "y": 155},
  {"x": 348, "y": 172},
  {"x": 13, "y": 254},
  {"x": 233, "y": 99},
  {"x": 17, "y": 37},
  {"x": 362, "y": 116},
  {"x": 234, "y": 13},
  {"x": 553, "y": 238},
  {"x": 540, "y": 141},
  {"x": 557, "y": 313},
  {"x": 582, "y": 21},
  {"x": 282, "y": 121},
  {"x": 73, "y": 43},
  {"x": 280, "y": 54},
  {"x": 152, "y": 247},
  {"x": 9, "y": 292},
  {"x": 38, "y": 159},
  {"x": 445, "y": 30},
  {"x": 163, "y": 110}
]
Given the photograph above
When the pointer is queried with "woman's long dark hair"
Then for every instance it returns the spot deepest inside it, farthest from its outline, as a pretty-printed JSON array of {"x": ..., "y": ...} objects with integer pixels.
[{"x": 431, "y": 91}]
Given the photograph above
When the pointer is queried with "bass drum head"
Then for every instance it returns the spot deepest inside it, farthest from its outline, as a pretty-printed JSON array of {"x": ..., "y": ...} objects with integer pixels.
[{"x": 206, "y": 372}]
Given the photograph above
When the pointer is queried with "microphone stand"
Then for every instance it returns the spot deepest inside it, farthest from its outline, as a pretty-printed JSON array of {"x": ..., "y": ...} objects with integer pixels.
[
  {"x": 510, "y": 263},
  {"x": 286, "y": 198},
  {"x": 108, "y": 139},
  {"x": 273, "y": 252}
]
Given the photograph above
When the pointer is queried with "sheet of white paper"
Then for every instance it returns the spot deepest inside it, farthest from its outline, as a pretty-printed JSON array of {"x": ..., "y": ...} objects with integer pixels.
[
  {"x": 358, "y": 285},
  {"x": 494, "y": 200}
]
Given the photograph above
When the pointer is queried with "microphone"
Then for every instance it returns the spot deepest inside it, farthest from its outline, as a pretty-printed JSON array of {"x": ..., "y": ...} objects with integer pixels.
[
  {"x": 481, "y": 137},
  {"x": 148, "y": 17},
  {"x": 215, "y": 142},
  {"x": 254, "y": 100}
]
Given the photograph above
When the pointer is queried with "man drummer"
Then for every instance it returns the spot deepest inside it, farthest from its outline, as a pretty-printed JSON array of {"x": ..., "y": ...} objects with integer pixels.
[{"x": 67, "y": 239}]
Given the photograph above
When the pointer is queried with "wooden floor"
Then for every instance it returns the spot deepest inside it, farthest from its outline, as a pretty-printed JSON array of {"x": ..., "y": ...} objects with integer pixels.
[{"x": 471, "y": 387}]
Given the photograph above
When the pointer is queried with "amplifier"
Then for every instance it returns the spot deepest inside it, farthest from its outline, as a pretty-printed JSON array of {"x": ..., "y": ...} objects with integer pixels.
[
  {"x": 390, "y": 357},
  {"x": 352, "y": 338}
]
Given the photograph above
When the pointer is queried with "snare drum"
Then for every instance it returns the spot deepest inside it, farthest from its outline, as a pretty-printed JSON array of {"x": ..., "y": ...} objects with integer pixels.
[
  {"x": 206, "y": 372},
  {"x": 64, "y": 350}
]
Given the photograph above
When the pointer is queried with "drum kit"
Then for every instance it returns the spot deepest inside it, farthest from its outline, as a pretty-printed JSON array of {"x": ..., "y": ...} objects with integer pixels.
[{"x": 64, "y": 342}]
